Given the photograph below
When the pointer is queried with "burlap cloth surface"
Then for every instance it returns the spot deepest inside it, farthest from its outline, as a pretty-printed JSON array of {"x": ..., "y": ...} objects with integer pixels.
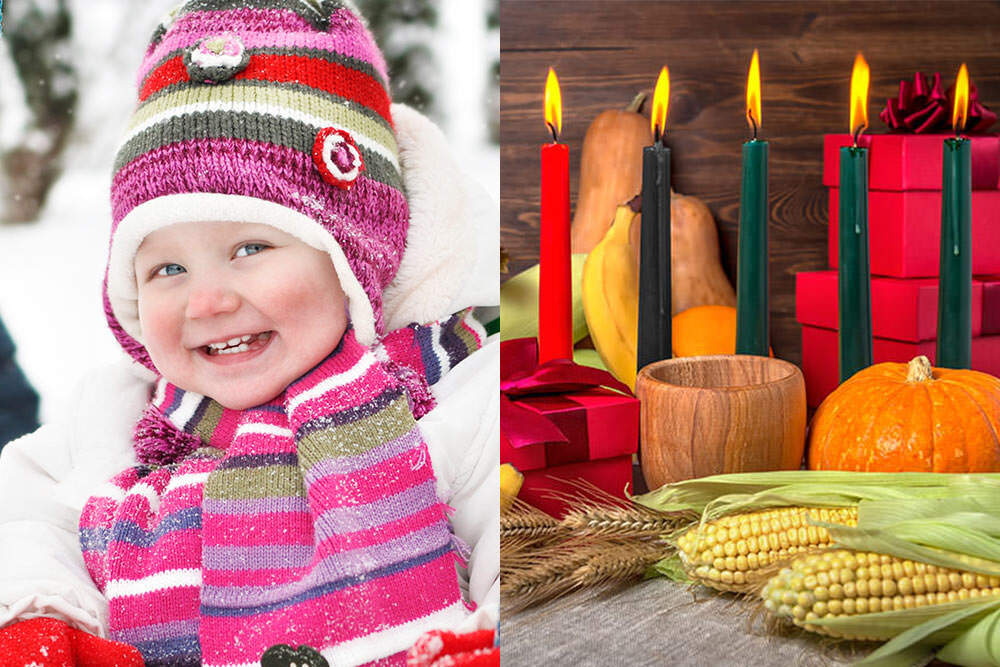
[{"x": 656, "y": 623}]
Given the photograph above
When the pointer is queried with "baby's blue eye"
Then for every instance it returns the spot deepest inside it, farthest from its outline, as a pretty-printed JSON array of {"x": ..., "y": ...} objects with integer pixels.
[
  {"x": 170, "y": 270},
  {"x": 251, "y": 249}
]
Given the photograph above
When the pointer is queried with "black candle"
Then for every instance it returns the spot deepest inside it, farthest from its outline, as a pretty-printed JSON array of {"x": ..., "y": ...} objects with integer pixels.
[{"x": 654, "y": 334}]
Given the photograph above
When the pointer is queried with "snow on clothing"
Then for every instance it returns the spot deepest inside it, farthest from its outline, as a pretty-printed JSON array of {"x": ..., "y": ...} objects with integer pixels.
[
  {"x": 450, "y": 263},
  {"x": 310, "y": 520},
  {"x": 46, "y": 477}
]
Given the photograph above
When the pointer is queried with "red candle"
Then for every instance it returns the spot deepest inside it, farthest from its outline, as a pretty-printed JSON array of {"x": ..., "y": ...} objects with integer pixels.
[{"x": 555, "y": 314}]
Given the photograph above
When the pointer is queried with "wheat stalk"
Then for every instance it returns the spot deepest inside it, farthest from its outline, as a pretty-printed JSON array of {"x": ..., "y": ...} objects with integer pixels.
[
  {"x": 602, "y": 540},
  {"x": 542, "y": 575},
  {"x": 619, "y": 562},
  {"x": 619, "y": 522},
  {"x": 523, "y": 527}
]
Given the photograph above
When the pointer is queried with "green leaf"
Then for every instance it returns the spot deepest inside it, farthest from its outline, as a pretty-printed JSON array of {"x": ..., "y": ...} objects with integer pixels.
[
  {"x": 519, "y": 303},
  {"x": 671, "y": 568}
]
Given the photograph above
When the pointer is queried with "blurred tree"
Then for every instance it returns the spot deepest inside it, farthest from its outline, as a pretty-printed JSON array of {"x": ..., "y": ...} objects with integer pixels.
[
  {"x": 37, "y": 35},
  {"x": 403, "y": 29},
  {"x": 493, "y": 88}
]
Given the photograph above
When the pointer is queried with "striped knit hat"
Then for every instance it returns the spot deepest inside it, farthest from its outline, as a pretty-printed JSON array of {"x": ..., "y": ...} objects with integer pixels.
[{"x": 264, "y": 111}]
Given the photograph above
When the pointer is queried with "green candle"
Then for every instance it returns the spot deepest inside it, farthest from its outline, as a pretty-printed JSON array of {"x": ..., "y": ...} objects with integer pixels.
[
  {"x": 855, "y": 300},
  {"x": 751, "y": 280},
  {"x": 954, "y": 334},
  {"x": 854, "y": 262}
]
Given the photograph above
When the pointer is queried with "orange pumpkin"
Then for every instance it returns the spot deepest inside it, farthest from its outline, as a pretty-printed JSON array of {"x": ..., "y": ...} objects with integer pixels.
[{"x": 910, "y": 418}]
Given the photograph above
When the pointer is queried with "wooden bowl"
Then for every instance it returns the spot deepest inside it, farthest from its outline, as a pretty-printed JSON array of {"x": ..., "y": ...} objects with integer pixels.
[{"x": 720, "y": 414}]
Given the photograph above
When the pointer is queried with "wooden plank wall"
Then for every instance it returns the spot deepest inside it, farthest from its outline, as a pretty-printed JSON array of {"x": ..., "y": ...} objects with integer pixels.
[{"x": 605, "y": 51}]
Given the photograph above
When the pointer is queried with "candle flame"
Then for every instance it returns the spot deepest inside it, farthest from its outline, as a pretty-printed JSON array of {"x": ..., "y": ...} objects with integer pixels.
[
  {"x": 553, "y": 104},
  {"x": 859, "y": 95},
  {"x": 753, "y": 94},
  {"x": 661, "y": 99},
  {"x": 960, "y": 114}
]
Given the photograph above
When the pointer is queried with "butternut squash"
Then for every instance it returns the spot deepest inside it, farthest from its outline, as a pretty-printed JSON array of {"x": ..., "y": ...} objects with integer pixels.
[
  {"x": 696, "y": 274},
  {"x": 610, "y": 171}
]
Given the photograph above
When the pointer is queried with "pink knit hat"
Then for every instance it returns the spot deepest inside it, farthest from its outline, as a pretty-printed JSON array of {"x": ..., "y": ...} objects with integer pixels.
[{"x": 265, "y": 111}]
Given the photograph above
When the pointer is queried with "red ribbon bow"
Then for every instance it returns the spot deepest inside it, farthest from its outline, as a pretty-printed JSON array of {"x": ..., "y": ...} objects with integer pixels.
[
  {"x": 522, "y": 375},
  {"x": 921, "y": 107}
]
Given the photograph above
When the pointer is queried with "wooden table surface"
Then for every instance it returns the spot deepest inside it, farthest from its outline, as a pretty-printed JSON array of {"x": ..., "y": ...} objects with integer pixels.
[{"x": 604, "y": 52}]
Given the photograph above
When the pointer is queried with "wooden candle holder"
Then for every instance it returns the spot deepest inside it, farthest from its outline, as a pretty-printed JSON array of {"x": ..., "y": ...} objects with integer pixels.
[{"x": 718, "y": 414}]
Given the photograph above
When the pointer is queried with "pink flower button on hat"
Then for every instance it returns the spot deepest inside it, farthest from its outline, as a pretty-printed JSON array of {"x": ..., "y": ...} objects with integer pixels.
[{"x": 337, "y": 157}]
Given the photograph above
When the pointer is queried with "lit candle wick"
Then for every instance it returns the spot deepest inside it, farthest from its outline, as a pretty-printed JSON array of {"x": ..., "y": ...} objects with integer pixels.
[
  {"x": 555, "y": 135},
  {"x": 753, "y": 122},
  {"x": 857, "y": 134}
]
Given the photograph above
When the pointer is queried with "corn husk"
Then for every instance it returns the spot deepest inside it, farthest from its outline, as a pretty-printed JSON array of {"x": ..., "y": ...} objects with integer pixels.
[
  {"x": 961, "y": 530},
  {"x": 978, "y": 646}
]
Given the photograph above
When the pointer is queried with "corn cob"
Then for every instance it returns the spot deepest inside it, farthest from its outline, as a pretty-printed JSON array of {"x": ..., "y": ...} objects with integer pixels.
[
  {"x": 839, "y": 583},
  {"x": 725, "y": 553},
  {"x": 510, "y": 485}
]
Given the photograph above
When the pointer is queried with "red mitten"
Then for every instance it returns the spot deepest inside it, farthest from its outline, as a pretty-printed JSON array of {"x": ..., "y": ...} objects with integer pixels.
[
  {"x": 48, "y": 642},
  {"x": 442, "y": 648}
]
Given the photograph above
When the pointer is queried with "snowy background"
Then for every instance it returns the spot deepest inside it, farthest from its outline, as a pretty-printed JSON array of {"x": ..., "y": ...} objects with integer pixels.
[{"x": 51, "y": 269}]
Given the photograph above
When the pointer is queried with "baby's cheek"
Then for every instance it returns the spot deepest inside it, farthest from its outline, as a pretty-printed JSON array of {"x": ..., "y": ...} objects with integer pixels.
[{"x": 159, "y": 325}]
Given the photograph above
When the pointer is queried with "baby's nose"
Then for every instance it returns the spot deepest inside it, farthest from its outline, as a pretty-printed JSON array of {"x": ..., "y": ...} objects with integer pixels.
[{"x": 209, "y": 300}]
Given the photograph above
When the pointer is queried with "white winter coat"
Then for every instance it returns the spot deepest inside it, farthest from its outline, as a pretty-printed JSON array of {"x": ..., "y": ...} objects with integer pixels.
[{"x": 451, "y": 262}]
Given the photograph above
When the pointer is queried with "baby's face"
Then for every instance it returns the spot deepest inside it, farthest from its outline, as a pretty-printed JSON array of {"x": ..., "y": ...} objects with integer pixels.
[{"x": 236, "y": 311}]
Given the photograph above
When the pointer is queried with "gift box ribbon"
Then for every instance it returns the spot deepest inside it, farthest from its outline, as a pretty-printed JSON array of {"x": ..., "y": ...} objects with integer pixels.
[
  {"x": 922, "y": 106},
  {"x": 522, "y": 375}
]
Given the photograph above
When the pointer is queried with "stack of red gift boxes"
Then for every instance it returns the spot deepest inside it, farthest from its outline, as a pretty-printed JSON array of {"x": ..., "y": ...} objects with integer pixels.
[
  {"x": 904, "y": 227},
  {"x": 602, "y": 432}
]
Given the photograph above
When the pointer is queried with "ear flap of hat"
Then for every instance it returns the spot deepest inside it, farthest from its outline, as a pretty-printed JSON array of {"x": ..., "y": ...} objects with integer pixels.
[{"x": 452, "y": 257}]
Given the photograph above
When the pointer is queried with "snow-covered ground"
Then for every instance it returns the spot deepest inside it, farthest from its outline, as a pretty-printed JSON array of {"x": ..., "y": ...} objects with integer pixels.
[{"x": 51, "y": 271}]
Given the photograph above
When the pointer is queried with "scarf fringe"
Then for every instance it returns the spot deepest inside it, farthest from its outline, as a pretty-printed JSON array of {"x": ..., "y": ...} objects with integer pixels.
[
  {"x": 460, "y": 548},
  {"x": 418, "y": 393}
]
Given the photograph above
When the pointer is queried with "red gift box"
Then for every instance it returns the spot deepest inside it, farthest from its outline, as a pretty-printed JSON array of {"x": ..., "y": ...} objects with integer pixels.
[
  {"x": 991, "y": 304},
  {"x": 903, "y": 310},
  {"x": 610, "y": 475},
  {"x": 912, "y": 161},
  {"x": 820, "y": 358},
  {"x": 904, "y": 232},
  {"x": 602, "y": 428}
]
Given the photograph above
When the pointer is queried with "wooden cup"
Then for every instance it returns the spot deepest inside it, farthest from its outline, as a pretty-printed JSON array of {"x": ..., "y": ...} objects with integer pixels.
[{"x": 720, "y": 414}]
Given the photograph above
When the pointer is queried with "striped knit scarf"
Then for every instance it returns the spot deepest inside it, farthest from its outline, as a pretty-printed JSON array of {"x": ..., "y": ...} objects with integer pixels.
[{"x": 311, "y": 520}]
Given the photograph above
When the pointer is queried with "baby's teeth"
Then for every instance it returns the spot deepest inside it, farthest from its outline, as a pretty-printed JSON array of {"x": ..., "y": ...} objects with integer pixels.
[
  {"x": 247, "y": 337},
  {"x": 233, "y": 341},
  {"x": 233, "y": 350}
]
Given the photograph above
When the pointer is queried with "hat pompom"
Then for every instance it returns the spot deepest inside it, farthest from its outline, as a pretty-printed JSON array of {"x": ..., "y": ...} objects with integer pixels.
[{"x": 158, "y": 442}]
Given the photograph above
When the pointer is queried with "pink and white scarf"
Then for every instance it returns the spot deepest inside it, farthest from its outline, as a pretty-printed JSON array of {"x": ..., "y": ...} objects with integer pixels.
[{"x": 311, "y": 520}]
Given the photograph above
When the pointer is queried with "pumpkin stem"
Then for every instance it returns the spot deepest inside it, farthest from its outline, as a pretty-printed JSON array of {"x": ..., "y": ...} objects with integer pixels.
[
  {"x": 635, "y": 106},
  {"x": 919, "y": 370}
]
